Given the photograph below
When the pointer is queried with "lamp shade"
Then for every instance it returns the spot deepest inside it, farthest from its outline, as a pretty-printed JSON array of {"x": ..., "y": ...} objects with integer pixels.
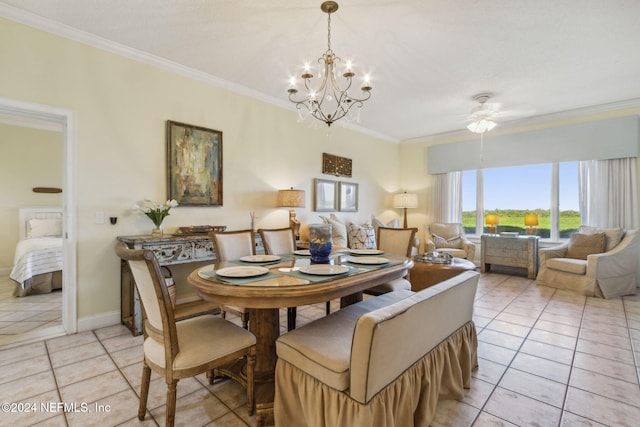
[
  {"x": 491, "y": 219},
  {"x": 405, "y": 200},
  {"x": 291, "y": 198},
  {"x": 531, "y": 220}
]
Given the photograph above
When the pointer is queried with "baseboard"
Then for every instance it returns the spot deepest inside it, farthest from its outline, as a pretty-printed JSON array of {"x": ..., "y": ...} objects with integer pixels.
[{"x": 100, "y": 321}]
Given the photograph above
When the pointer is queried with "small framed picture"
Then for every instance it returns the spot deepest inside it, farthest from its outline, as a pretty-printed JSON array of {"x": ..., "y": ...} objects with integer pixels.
[
  {"x": 325, "y": 195},
  {"x": 348, "y": 196}
]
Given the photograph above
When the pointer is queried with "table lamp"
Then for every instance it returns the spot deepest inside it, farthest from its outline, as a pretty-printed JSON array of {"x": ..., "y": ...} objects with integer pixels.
[
  {"x": 405, "y": 200},
  {"x": 292, "y": 199},
  {"x": 492, "y": 222},
  {"x": 531, "y": 221}
]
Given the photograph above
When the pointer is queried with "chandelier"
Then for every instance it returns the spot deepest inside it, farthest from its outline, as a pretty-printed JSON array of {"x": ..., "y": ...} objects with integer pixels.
[{"x": 328, "y": 102}]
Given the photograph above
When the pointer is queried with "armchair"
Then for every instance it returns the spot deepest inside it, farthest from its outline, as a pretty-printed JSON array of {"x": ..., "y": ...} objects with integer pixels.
[
  {"x": 609, "y": 274},
  {"x": 449, "y": 238}
]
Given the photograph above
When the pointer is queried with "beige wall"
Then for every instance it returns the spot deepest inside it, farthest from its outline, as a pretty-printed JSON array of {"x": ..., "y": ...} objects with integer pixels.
[
  {"x": 29, "y": 158},
  {"x": 121, "y": 106}
]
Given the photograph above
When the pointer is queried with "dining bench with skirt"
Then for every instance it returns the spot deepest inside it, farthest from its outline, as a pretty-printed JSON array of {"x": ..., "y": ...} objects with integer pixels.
[{"x": 385, "y": 361}]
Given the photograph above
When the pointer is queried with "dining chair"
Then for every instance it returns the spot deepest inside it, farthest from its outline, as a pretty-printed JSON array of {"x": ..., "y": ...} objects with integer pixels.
[
  {"x": 283, "y": 241},
  {"x": 397, "y": 241},
  {"x": 233, "y": 245},
  {"x": 186, "y": 348}
]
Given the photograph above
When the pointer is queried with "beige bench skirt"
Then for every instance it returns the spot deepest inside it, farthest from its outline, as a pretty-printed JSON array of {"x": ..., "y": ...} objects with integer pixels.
[{"x": 410, "y": 400}]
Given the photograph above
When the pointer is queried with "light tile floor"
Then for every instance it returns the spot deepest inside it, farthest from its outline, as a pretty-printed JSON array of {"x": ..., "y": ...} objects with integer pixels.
[
  {"x": 26, "y": 315},
  {"x": 546, "y": 358}
]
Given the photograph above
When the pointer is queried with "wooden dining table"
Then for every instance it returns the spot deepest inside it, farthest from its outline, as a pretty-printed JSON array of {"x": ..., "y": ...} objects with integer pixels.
[{"x": 287, "y": 285}]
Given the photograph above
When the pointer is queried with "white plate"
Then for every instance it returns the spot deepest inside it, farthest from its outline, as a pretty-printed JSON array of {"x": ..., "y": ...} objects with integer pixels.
[
  {"x": 260, "y": 258},
  {"x": 372, "y": 260},
  {"x": 366, "y": 251},
  {"x": 303, "y": 252},
  {"x": 241, "y": 271},
  {"x": 324, "y": 269}
]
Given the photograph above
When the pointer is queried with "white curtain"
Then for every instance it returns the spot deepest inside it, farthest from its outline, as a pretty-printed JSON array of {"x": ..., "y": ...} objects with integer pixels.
[
  {"x": 447, "y": 197},
  {"x": 608, "y": 193}
]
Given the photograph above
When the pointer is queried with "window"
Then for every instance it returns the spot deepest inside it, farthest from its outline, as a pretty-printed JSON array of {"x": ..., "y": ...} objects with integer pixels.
[{"x": 548, "y": 190}]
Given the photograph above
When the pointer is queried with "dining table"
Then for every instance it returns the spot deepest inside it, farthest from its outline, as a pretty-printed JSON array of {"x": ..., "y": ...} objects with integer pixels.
[{"x": 266, "y": 283}]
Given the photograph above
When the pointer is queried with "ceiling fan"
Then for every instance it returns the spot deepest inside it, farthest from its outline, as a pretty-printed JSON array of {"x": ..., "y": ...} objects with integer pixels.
[{"x": 485, "y": 115}]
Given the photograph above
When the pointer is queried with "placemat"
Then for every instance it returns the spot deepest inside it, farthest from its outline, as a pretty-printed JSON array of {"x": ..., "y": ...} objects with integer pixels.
[
  {"x": 314, "y": 277},
  {"x": 239, "y": 280}
]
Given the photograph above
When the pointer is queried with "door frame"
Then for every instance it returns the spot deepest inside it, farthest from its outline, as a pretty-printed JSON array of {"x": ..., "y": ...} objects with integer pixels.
[{"x": 29, "y": 114}]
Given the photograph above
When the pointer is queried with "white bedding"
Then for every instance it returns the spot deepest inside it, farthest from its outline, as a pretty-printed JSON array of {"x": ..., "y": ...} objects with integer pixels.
[{"x": 36, "y": 256}]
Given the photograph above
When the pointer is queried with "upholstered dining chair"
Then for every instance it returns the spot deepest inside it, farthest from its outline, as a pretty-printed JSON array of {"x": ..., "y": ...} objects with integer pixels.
[
  {"x": 397, "y": 241},
  {"x": 186, "y": 348},
  {"x": 283, "y": 241},
  {"x": 233, "y": 245}
]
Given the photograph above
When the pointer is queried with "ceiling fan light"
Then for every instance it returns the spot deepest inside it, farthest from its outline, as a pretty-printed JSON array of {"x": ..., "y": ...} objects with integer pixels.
[{"x": 481, "y": 126}]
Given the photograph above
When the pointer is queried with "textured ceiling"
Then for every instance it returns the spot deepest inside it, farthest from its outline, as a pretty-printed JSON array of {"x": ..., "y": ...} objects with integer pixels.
[{"x": 427, "y": 58}]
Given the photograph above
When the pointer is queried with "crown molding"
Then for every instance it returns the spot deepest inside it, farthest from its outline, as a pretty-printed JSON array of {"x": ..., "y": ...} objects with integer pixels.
[{"x": 535, "y": 120}]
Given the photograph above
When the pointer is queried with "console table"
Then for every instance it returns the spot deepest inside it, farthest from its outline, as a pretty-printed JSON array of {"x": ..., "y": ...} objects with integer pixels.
[
  {"x": 513, "y": 251},
  {"x": 169, "y": 250}
]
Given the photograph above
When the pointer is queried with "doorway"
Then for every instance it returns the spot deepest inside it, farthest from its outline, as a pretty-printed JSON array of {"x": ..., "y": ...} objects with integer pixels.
[{"x": 26, "y": 114}]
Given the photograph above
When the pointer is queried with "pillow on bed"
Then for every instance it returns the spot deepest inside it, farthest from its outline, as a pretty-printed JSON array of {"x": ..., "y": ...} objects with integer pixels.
[{"x": 45, "y": 227}]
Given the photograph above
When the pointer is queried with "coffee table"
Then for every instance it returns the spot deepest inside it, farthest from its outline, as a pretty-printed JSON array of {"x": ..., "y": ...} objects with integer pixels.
[{"x": 425, "y": 274}]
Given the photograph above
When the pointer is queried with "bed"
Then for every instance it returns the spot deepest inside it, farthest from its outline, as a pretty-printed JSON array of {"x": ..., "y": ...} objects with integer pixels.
[{"x": 38, "y": 258}]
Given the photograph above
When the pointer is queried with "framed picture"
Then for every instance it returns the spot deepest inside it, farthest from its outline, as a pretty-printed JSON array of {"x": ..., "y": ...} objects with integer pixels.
[
  {"x": 325, "y": 195},
  {"x": 348, "y": 196},
  {"x": 194, "y": 165}
]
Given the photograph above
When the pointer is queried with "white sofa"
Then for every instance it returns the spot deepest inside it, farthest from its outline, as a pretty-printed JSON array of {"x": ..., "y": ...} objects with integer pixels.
[
  {"x": 609, "y": 274},
  {"x": 383, "y": 362}
]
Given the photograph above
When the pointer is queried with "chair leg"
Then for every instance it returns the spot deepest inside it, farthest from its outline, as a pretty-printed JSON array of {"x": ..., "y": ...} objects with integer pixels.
[
  {"x": 328, "y": 307},
  {"x": 171, "y": 403},
  {"x": 223, "y": 314},
  {"x": 292, "y": 313},
  {"x": 144, "y": 390},
  {"x": 251, "y": 364},
  {"x": 245, "y": 320}
]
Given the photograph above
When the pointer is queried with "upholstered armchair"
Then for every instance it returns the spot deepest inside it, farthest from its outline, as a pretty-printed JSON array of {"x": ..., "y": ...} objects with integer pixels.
[
  {"x": 449, "y": 238},
  {"x": 579, "y": 266}
]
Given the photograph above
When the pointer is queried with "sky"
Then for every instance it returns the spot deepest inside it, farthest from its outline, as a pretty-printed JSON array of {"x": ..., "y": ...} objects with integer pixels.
[{"x": 522, "y": 187}]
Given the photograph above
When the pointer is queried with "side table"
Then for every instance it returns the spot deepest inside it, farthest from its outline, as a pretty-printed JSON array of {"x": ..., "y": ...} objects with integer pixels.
[
  {"x": 518, "y": 251},
  {"x": 425, "y": 274}
]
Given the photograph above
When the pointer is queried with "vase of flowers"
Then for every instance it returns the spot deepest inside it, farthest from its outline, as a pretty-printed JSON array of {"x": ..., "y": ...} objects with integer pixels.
[{"x": 156, "y": 212}]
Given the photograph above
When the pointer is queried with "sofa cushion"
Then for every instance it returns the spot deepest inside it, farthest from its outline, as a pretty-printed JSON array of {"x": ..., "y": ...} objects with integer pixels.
[
  {"x": 361, "y": 236},
  {"x": 568, "y": 265},
  {"x": 323, "y": 348},
  {"x": 454, "y": 242},
  {"x": 377, "y": 222},
  {"x": 582, "y": 245},
  {"x": 338, "y": 230},
  {"x": 614, "y": 235}
]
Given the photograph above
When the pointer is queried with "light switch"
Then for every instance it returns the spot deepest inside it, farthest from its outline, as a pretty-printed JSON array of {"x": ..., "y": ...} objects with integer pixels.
[{"x": 99, "y": 217}]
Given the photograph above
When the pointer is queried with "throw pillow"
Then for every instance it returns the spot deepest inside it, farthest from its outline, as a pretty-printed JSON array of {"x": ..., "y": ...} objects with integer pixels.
[
  {"x": 361, "y": 236},
  {"x": 338, "y": 230},
  {"x": 581, "y": 245},
  {"x": 450, "y": 243},
  {"x": 613, "y": 235},
  {"x": 376, "y": 222}
]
